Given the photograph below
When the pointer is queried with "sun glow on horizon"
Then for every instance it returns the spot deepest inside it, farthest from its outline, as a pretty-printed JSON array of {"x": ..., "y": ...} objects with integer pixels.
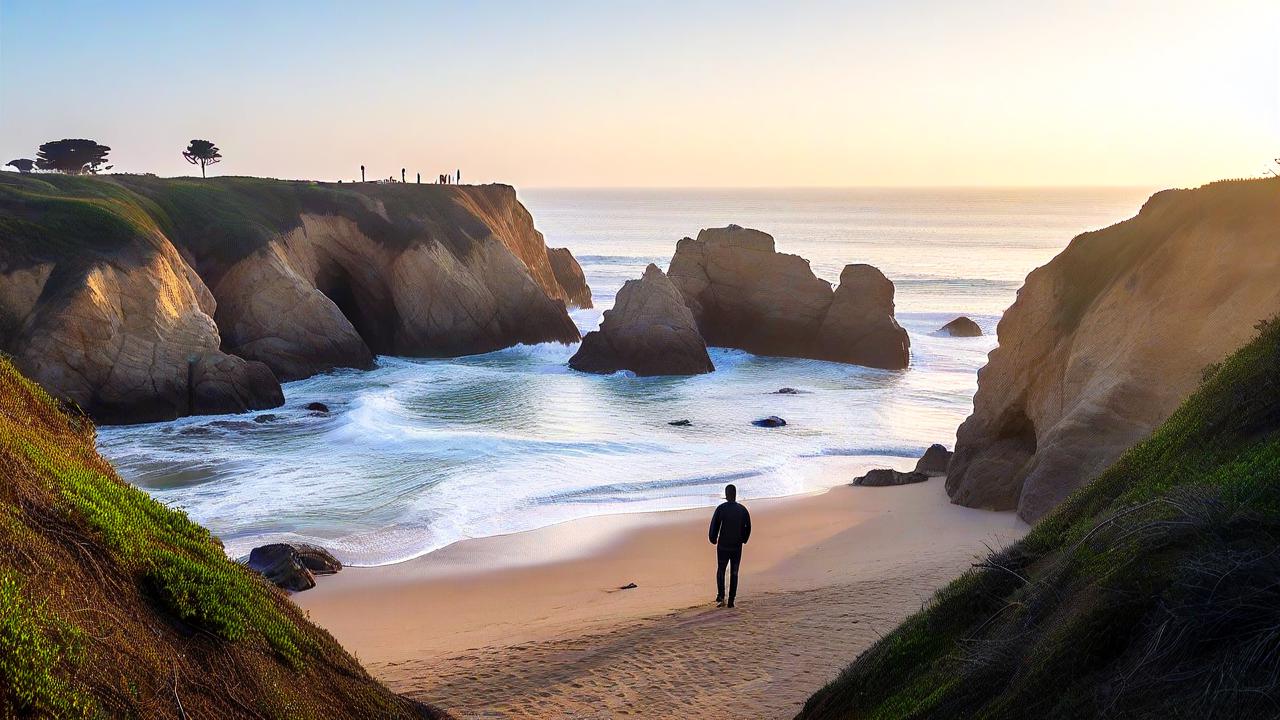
[{"x": 704, "y": 94}]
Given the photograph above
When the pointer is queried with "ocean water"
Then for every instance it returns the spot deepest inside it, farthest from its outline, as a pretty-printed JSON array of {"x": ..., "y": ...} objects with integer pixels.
[{"x": 420, "y": 453}]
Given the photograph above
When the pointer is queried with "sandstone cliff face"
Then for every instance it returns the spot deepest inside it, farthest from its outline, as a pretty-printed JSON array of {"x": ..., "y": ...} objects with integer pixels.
[
  {"x": 744, "y": 294},
  {"x": 128, "y": 337},
  {"x": 1106, "y": 340},
  {"x": 146, "y": 299},
  {"x": 649, "y": 331}
]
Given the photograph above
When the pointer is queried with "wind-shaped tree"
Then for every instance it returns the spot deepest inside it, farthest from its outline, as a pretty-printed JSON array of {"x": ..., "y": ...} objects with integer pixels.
[
  {"x": 202, "y": 153},
  {"x": 74, "y": 157},
  {"x": 22, "y": 165}
]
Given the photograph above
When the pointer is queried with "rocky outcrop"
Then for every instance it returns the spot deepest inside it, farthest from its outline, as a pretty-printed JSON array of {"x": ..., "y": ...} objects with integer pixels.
[
  {"x": 649, "y": 331},
  {"x": 1108, "y": 338},
  {"x": 960, "y": 327},
  {"x": 886, "y": 477},
  {"x": 859, "y": 327},
  {"x": 127, "y": 339},
  {"x": 744, "y": 294},
  {"x": 144, "y": 299},
  {"x": 934, "y": 461},
  {"x": 568, "y": 274}
]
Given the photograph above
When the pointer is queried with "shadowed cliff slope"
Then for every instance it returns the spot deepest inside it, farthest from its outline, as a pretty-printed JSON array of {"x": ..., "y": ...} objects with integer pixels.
[
  {"x": 1152, "y": 592},
  {"x": 143, "y": 298},
  {"x": 113, "y": 605},
  {"x": 1107, "y": 339}
]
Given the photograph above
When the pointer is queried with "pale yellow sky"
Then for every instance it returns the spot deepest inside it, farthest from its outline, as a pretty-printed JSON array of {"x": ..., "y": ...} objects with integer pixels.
[{"x": 812, "y": 93}]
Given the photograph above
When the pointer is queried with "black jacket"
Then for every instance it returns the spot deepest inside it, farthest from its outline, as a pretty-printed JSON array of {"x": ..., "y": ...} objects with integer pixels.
[{"x": 730, "y": 526}]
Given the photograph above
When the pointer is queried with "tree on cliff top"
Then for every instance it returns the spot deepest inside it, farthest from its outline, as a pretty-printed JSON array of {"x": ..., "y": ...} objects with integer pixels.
[
  {"x": 202, "y": 153},
  {"x": 73, "y": 157},
  {"x": 23, "y": 165}
]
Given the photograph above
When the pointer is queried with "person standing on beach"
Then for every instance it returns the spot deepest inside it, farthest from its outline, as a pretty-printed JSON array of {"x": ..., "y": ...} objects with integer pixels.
[{"x": 730, "y": 530}]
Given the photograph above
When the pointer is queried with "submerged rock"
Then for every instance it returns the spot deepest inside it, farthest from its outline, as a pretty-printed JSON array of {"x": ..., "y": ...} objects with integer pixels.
[
  {"x": 680, "y": 423},
  {"x": 744, "y": 294},
  {"x": 317, "y": 407},
  {"x": 934, "y": 461},
  {"x": 649, "y": 331},
  {"x": 884, "y": 477},
  {"x": 788, "y": 391},
  {"x": 266, "y": 418},
  {"x": 960, "y": 327},
  {"x": 772, "y": 421}
]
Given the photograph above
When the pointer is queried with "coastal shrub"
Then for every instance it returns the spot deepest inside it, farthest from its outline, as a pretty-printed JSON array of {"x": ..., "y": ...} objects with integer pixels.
[
  {"x": 1153, "y": 591},
  {"x": 34, "y": 645},
  {"x": 179, "y": 561}
]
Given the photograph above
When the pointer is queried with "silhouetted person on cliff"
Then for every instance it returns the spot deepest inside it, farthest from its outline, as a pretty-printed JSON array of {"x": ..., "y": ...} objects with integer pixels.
[{"x": 730, "y": 530}]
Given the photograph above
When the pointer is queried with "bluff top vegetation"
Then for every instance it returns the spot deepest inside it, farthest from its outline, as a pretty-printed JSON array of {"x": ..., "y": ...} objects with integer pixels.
[
  {"x": 1152, "y": 592},
  {"x": 113, "y": 605}
]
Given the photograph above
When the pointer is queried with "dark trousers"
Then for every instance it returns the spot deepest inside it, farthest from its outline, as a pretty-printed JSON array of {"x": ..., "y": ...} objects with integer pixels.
[{"x": 733, "y": 558}]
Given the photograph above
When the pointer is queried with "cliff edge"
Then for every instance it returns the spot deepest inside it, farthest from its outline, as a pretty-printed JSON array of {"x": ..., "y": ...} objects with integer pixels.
[
  {"x": 141, "y": 298},
  {"x": 1107, "y": 339}
]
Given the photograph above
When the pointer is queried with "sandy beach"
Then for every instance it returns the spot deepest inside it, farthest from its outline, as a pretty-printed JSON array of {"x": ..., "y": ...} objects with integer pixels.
[{"x": 534, "y": 624}]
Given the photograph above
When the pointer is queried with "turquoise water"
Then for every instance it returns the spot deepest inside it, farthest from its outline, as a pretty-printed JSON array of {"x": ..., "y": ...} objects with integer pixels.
[{"x": 420, "y": 453}]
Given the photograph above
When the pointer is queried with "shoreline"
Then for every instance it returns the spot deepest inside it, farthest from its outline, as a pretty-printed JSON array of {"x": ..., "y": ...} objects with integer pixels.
[{"x": 449, "y": 626}]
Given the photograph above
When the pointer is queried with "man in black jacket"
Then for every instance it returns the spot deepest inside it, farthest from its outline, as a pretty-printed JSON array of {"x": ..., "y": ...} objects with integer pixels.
[{"x": 730, "y": 529}]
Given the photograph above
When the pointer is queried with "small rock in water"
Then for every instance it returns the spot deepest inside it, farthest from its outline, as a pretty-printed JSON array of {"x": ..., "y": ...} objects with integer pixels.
[
  {"x": 960, "y": 327},
  {"x": 772, "y": 421},
  {"x": 629, "y": 586},
  {"x": 265, "y": 418},
  {"x": 318, "y": 407},
  {"x": 788, "y": 391},
  {"x": 681, "y": 423}
]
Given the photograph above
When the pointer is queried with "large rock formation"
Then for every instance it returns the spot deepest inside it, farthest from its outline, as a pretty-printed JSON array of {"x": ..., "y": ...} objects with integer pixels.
[
  {"x": 746, "y": 295},
  {"x": 569, "y": 275},
  {"x": 649, "y": 331},
  {"x": 143, "y": 299},
  {"x": 1108, "y": 338}
]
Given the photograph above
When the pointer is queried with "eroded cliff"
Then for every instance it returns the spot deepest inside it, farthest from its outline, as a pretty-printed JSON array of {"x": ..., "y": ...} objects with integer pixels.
[
  {"x": 141, "y": 298},
  {"x": 1107, "y": 339}
]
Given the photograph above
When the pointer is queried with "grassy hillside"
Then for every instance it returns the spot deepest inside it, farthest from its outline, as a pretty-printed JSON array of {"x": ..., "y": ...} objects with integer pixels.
[
  {"x": 219, "y": 220},
  {"x": 113, "y": 605},
  {"x": 1152, "y": 592}
]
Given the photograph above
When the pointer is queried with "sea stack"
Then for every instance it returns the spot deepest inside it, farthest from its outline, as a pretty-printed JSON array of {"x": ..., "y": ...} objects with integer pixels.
[
  {"x": 744, "y": 294},
  {"x": 568, "y": 274},
  {"x": 649, "y": 331},
  {"x": 1109, "y": 337}
]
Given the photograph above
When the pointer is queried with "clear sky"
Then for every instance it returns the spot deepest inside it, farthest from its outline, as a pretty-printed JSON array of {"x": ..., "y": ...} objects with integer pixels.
[{"x": 652, "y": 93}]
